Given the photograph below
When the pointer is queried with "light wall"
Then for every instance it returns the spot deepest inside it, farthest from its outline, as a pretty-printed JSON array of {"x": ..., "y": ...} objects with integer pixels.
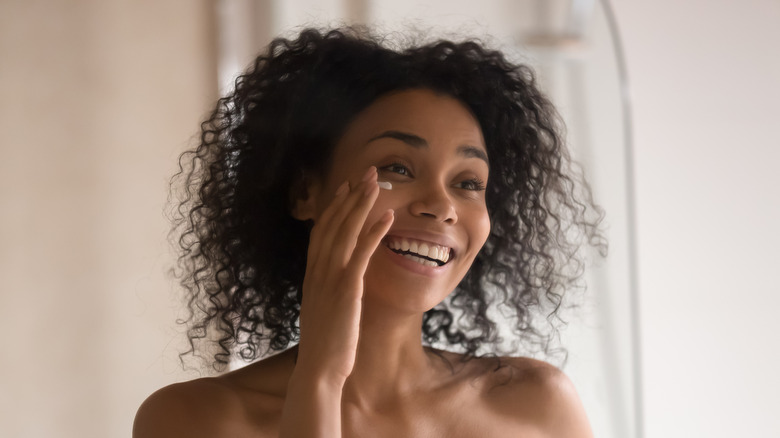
[
  {"x": 705, "y": 78},
  {"x": 97, "y": 98}
]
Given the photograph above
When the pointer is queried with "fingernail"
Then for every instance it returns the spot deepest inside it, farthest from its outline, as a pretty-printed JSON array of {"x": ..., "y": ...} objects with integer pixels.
[
  {"x": 370, "y": 173},
  {"x": 343, "y": 188}
]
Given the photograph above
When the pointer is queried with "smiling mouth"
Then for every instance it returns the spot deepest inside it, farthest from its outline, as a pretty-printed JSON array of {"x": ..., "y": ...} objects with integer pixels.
[{"x": 424, "y": 253}]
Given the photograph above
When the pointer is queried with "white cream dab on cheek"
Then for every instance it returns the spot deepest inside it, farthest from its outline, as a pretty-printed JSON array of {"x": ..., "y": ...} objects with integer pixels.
[{"x": 384, "y": 185}]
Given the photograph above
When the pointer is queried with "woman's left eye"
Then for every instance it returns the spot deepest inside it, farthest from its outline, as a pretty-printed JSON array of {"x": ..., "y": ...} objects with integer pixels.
[{"x": 474, "y": 184}]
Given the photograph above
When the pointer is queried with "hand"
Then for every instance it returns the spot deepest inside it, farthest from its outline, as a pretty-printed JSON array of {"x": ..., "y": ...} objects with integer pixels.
[{"x": 340, "y": 246}]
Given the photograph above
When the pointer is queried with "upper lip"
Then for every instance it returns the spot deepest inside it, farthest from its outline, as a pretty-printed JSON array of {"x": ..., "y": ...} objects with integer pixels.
[{"x": 426, "y": 236}]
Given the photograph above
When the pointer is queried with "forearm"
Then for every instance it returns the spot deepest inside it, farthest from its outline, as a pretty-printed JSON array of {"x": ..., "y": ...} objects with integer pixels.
[{"x": 312, "y": 408}]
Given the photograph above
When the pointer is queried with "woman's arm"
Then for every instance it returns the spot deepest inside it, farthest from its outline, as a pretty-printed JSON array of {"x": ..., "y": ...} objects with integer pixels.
[{"x": 312, "y": 407}]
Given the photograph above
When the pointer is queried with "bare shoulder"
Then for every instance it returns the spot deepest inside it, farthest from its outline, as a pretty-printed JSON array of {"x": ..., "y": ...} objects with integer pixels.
[
  {"x": 245, "y": 402},
  {"x": 537, "y": 394},
  {"x": 198, "y": 408}
]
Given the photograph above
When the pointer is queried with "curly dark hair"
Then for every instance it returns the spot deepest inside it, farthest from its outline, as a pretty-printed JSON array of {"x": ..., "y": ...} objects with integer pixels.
[{"x": 242, "y": 257}]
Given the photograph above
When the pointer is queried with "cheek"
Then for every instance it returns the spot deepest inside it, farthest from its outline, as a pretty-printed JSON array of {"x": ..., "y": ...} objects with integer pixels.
[
  {"x": 481, "y": 227},
  {"x": 384, "y": 201}
]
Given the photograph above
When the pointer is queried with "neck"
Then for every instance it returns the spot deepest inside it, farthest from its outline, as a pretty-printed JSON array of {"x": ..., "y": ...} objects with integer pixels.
[{"x": 391, "y": 360}]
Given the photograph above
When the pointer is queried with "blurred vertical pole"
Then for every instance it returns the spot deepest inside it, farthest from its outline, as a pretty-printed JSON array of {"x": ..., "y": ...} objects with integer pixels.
[
  {"x": 575, "y": 34},
  {"x": 625, "y": 95}
]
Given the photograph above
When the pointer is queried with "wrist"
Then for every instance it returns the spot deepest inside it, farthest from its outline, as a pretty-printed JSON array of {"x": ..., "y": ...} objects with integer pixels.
[
  {"x": 316, "y": 379},
  {"x": 312, "y": 406}
]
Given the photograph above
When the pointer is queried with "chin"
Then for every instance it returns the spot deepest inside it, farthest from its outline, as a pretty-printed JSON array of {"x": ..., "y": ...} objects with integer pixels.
[{"x": 410, "y": 293}]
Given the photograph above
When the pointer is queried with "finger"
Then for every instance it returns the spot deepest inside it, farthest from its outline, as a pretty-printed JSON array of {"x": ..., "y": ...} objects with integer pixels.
[
  {"x": 354, "y": 198},
  {"x": 323, "y": 258},
  {"x": 340, "y": 196},
  {"x": 335, "y": 212},
  {"x": 346, "y": 237},
  {"x": 322, "y": 223},
  {"x": 332, "y": 231},
  {"x": 369, "y": 242}
]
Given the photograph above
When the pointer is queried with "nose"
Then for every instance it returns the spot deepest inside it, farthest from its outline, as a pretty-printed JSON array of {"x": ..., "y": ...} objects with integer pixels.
[{"x": 435, "y": 203}]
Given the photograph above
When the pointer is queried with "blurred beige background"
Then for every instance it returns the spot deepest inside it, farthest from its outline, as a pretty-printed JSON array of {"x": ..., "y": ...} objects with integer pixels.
[{"x": 98, "y": 97}]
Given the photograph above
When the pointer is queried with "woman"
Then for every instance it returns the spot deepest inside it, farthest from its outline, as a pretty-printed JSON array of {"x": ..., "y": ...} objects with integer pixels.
[{"x": 378, "y": 197}]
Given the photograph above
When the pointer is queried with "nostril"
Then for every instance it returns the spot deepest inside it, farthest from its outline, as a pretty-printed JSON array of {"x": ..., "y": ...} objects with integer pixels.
[{"x": 439, "y": 211}]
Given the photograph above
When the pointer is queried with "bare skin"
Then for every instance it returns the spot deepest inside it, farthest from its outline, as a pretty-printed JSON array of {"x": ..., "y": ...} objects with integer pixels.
[
  {"x": 525, "y": 398},
  {"x": 360, "y": 369}
]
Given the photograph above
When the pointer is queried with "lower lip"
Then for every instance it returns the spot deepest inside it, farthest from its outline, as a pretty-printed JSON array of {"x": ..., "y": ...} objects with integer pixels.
[{"x": 414, "y": 266}]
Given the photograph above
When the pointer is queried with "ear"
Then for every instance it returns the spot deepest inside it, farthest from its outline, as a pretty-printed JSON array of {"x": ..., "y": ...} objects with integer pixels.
[{"x": 303, "y": 197}]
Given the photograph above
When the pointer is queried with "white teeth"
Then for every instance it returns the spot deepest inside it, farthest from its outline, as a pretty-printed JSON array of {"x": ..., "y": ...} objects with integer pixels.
[
  {"x": 413, "y": 258},
  {"x": 421, "y": 249}
]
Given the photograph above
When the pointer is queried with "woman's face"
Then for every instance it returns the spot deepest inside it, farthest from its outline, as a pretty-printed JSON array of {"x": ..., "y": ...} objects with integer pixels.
[{"x": 431, "y": 149}]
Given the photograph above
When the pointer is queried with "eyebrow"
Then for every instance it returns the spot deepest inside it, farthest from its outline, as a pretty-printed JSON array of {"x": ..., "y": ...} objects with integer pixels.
[{"x": 418, "y": 142}]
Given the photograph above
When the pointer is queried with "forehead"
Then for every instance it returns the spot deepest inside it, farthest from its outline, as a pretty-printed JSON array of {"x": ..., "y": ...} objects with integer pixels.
[{"x": 437, "y": 118}]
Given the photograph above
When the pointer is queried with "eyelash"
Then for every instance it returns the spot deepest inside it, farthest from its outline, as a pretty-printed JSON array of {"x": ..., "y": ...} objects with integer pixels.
[{"x": 475, "y": 183}]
